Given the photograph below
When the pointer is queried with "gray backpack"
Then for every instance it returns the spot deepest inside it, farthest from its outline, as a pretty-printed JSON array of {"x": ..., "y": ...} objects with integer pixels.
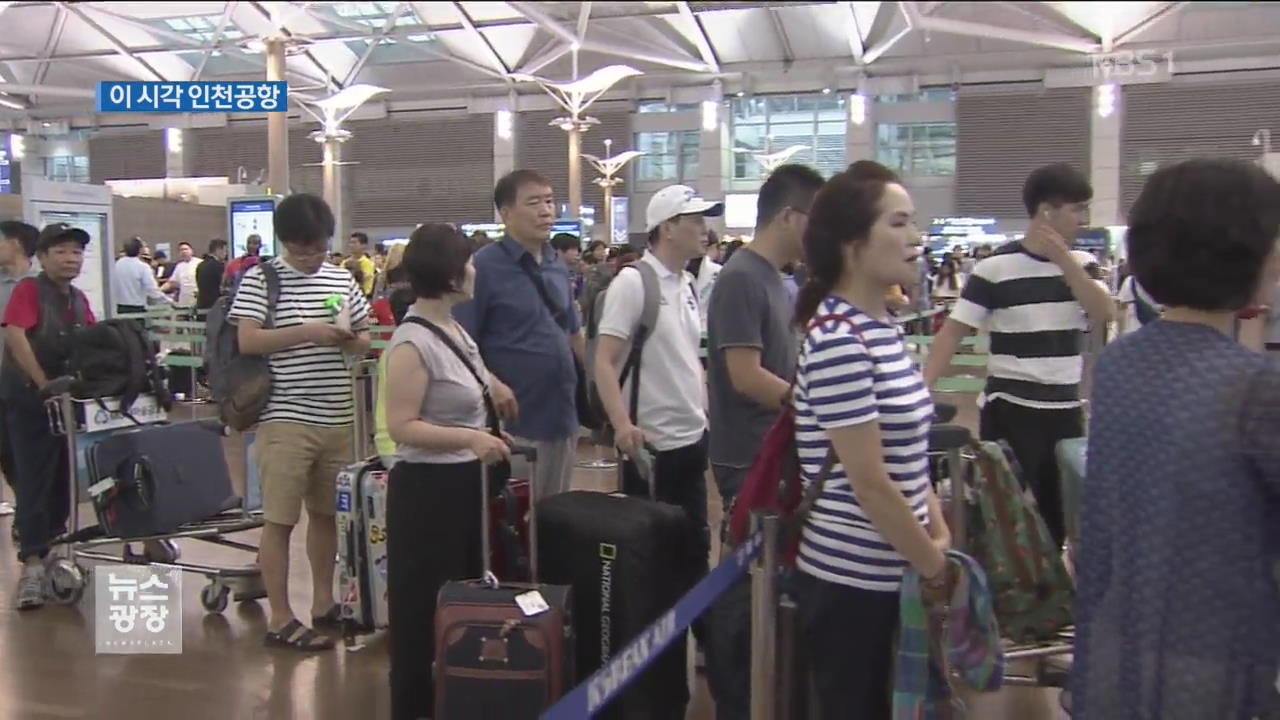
[
  {"x": 240, "y": 384},
  {"x": 648, "y": 319}
]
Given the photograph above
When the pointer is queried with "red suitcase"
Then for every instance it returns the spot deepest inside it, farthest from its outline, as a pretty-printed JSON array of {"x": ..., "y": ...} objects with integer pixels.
[{"x": 492, "y": 659}]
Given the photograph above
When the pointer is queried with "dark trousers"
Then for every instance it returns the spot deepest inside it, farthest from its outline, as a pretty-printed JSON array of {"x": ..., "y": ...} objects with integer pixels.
[
  {"x": 1033, "y": 435},
  {"x": 42, "y": 482},
  {"x": 433, "y": 536},
  {"x": 729, "y": 482},
  {"x": 848, "y": 636},
  {"x": 6, "y": 450},
  {"x": 679, "y": 478}
]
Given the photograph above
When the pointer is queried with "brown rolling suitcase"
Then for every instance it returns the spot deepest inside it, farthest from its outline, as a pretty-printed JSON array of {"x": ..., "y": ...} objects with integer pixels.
[{"x": 493, "y": 659}]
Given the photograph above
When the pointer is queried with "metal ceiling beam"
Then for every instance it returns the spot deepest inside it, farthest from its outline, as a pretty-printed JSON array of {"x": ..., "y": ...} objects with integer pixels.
[
  {"x": 584, "y": 17},
  {"x": 331, "y": 80},
  {"x": 227, "y": 11},
  {"x": 1058, "y": 18},
  {"x": 472, "y": 30},
  {"x": 788, "y": 56},
  {"x": 59, "y": 25},
  {"x": 387, "y": 27},
  {"x": 700, "y": 39},
  {"x": 551, "y": 25},
  {"x": 983, "y": 30},
  {"x": 51, "y": 90},
  {"x": 856, "y": 48},
  {"x": 113, "y": 41},
  {"x": 1148, "y": 21},
  {"x": 886, "y": 44},
  {"x": 533, "y": 66}
]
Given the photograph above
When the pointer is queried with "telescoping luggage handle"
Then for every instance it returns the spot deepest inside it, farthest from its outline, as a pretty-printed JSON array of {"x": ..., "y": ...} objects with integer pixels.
[{"x": 488, "y": 578}]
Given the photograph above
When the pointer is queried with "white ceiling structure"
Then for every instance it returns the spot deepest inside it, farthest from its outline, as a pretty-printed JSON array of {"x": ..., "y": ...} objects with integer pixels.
[{"x": 52, "y": 54}]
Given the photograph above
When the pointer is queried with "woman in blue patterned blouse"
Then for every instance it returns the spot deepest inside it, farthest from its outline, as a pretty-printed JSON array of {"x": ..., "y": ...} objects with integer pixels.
[{"x": 1178, "y": 614}]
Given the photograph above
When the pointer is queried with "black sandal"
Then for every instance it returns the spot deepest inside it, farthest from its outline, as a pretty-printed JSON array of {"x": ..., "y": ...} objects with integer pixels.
[
  {"x": 296, "y": 636},
  {"x": 331, "y": 620}
]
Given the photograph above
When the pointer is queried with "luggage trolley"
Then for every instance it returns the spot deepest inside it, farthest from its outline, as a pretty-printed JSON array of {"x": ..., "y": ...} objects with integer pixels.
[
  {"x": 73, "y": 418},
  {"x": 949, "y": 443}
]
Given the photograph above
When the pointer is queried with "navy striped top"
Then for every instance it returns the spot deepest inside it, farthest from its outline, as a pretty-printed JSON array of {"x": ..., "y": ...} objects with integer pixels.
[{"x": 855, "y": 369}]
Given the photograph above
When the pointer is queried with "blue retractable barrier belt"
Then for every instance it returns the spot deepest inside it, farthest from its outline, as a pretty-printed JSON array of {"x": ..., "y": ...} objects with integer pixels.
[{"x": 592, "y": 695}]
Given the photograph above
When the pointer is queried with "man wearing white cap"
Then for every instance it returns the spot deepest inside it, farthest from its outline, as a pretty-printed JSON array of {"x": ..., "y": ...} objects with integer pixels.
[{"x": 662, "y": 427}]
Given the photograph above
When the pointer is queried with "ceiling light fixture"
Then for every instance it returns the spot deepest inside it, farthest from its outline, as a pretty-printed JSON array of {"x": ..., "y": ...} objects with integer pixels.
[{"x": 1106, "y": 100}]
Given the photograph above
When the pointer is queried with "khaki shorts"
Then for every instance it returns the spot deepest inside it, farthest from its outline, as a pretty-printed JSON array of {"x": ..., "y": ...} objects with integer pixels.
[{"x": 299, "y": 464}]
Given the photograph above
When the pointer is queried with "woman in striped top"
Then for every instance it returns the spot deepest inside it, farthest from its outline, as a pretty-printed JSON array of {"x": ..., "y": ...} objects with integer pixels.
[{"x": 861, "y": 404}]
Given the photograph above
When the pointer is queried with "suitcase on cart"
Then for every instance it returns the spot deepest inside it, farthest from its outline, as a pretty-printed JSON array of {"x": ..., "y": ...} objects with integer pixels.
[
  {"x": 362, "y": 546},
  {"x": 152, "y": 479},
  {"x": 628, "y": 559},
  {"x": 492, "y": 660}
]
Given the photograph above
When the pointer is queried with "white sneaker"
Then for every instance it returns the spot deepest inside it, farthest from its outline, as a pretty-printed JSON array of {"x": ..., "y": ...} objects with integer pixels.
[{"x": 31, "y": 587}]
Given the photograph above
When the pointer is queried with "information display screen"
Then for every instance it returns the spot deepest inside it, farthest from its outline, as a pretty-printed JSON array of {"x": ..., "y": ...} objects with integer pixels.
[{"x": 252, "y": 216}]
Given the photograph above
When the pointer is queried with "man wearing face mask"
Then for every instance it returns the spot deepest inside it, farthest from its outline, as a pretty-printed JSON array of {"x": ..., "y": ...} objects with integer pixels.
[{"x": 1037, "y": 299}]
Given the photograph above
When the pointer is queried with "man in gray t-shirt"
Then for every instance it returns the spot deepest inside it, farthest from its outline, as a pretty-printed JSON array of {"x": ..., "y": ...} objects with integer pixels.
[{"x": 751, "y": 340}]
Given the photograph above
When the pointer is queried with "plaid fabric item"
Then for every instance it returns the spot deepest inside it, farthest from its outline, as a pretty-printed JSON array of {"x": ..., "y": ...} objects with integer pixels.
[{"x": 970, "y": 640}]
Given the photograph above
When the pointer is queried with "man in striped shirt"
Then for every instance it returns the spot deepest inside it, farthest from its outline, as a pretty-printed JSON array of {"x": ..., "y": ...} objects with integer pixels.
[
  {"x": 1036, "y": 298},
  {"x": 304, "y": 435}
]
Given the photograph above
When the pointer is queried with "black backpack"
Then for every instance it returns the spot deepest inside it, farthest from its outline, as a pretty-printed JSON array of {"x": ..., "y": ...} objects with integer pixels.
[{"x": 116, "y": 358}]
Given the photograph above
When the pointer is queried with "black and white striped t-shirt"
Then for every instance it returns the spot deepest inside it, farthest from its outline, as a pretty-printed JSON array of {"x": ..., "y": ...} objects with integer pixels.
[
  {"x": 1036, "y": 326},
  {"x": 310, "y": 384}
]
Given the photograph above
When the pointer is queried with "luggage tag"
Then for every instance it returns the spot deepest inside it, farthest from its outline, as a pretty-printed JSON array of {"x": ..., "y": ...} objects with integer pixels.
[{"x": 532, "y": 603}]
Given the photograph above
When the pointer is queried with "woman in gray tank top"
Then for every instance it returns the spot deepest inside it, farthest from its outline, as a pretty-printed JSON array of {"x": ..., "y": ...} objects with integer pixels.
[{"x": 438, "y": 416}]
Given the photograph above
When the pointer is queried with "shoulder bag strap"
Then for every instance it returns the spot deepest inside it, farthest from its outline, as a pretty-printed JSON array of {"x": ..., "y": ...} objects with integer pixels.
[
  {"x": 558, "y": 314},
  {"x": 490, "y": 409},
  {"x": 271, "y": 279}
]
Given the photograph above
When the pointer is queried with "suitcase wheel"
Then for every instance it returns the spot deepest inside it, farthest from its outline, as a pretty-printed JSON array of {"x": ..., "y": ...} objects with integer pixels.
[
  {"x": 214, "y": 597},
  {"x": 67, "y": 581}
]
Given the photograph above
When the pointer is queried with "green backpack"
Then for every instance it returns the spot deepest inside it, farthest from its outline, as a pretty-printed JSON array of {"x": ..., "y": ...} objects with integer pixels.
[{"x": 1032, "y": 590}]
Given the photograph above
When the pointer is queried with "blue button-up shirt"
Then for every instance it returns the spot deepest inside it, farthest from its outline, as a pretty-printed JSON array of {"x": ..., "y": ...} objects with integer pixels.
[{"x": 521, "y": 340}]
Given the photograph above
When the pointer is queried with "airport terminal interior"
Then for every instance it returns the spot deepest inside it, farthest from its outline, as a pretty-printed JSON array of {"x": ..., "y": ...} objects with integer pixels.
[{"x": 706, "y": 360}]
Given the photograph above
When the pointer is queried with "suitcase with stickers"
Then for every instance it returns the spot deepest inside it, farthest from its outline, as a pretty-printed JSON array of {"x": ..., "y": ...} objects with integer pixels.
[
  {"x": 504, "y": 650},
  {"x": 362, "y": 546}
]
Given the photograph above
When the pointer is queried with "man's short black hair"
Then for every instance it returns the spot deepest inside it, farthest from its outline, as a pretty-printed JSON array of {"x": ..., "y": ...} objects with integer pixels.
[
  {"x": 362, "y": 238},
  {"x": 133, "y": 246},
  {"x": 304, "y": 219},
  {"x": 1201, "y": 231},
  {"x": 563, "y": 242},
  {"x": 504, "y": 193},
  {"x": 185, "y": 244},
  {"x": 379, "y": 249},
  {"x": 1056, "y": 184},
  {"x": 216, "y": 244},
  {"x": 789, "y": 186},
  {"x": 436, "y": 260},
  {"x": 161, "y": 255},
  {"x": 26, "y": 235}
]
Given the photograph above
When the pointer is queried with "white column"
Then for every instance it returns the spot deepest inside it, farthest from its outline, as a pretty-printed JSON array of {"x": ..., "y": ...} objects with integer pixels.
[
  {"x": 504, "y": 148},
  {"x": 711, "y": 159},
  {"x": 175, "y": 152},
  {"x": 277, "y": 125},
  {"x": 1104, "y": 161},
  {"x": 859, "y": 139}
]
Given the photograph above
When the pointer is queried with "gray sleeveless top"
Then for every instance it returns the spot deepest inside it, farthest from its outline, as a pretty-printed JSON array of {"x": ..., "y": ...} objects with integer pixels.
[{"x": 453, "y": 397}]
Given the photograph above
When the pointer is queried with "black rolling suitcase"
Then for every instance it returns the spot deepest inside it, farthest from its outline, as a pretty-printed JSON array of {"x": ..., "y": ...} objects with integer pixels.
[
  {"x": 628, "y": 560},
  {"x": 152, "y": 479},
  {"x": 493, "y": 660}
]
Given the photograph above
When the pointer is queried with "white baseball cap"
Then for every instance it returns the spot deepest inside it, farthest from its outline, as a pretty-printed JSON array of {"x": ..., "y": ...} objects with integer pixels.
[{"x": 676, "y": 200}]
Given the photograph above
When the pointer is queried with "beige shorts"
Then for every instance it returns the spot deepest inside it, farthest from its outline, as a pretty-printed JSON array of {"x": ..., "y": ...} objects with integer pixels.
[{"x": 299, "y": 464}]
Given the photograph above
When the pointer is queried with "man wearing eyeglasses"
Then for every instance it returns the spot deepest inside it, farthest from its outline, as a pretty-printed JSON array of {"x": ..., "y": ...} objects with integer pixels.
[{"x": 751, "y": 359}]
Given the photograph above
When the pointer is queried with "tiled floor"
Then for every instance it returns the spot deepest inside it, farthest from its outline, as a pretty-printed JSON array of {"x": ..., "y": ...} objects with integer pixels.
[{"x": 48, "y": 668}]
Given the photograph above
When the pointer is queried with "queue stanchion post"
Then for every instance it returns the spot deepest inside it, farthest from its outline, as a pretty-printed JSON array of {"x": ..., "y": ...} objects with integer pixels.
[
  {"x": 764, "y": 608},
  {"x": 959, "y": 506}
]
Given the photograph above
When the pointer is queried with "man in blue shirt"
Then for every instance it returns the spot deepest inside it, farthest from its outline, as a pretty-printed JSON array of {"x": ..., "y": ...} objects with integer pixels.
[{"x": 523, "y": 319}]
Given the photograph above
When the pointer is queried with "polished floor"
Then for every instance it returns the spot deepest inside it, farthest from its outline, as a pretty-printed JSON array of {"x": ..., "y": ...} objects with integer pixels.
[{"x": 49, "y": 670}]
